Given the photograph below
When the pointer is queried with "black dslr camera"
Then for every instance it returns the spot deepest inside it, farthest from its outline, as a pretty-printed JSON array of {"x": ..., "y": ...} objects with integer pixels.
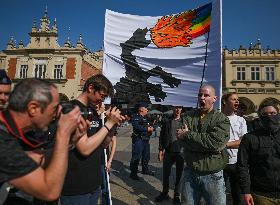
[
  {"x": 46, "y": 139},
  {"x": 68, "y": 107}
]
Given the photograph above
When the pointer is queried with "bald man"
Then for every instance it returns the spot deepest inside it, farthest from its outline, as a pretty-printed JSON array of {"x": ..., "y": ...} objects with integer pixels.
[{"x": 204, "y": 138}]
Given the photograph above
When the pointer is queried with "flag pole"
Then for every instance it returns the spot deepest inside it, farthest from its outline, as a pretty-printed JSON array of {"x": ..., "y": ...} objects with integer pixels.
[
  {"x": 106, "y": 173},
  {"x": 204, "y": 66}
]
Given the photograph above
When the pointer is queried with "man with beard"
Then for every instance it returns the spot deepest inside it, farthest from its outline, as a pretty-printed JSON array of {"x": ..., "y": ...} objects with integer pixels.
[
  {"x": 33, "y": 104},
  {"x": 83, "y": 179},
  {"x": 5, "y": 89},
  {"x": 204, "y": 138},
  {"x": 238, "y": 127},
  {"x": 259, "y": 159}
]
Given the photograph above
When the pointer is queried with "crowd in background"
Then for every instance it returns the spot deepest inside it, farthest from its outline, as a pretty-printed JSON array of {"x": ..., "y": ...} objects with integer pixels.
[{"x": 215, "y": 152}]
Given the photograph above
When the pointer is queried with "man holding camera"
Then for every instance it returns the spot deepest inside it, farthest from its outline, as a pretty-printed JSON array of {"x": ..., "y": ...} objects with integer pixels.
[
  {"x": 33, "y": 104},
  {"x": 83, "y": 179}
]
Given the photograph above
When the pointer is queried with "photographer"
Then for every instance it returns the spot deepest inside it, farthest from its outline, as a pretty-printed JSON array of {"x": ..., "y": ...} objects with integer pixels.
[
  {"x": 33, "y": 104},
  {"x": 83, "y": 179}
]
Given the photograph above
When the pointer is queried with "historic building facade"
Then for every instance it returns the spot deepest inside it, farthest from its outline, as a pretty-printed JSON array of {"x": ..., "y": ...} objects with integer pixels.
[
  {"x": 67, "y": 66},
  {"x": 253, "y": 73}
]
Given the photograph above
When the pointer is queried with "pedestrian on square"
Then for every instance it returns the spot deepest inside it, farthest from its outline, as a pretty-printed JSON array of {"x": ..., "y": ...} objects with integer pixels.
[
  {"x": 83, "y": 179},
  {"x": 204, "y": 139},
  {"x": 238, "y": 127},
  {"x": 170, "y": 152},
  {"x": 142, "y": 131},
  {"x": 107, "y": 155},
  {"x": 258, "y": 160}
]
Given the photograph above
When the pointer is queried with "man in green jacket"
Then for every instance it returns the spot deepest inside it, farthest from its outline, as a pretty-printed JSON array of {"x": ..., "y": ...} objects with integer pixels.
[{"x": 204, "y": 138}]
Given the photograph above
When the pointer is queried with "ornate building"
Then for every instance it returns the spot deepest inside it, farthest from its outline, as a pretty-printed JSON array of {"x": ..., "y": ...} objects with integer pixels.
[
  {"x": 67, "y": 66},
  {"x": 253, "y": 73}
]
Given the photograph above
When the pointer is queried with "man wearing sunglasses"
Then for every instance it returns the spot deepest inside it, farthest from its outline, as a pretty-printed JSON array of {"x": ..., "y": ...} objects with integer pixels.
[
  {"x": 83, "y": 179},
  {"x": 258, "y": 159},
  {"x": 33, "y": 104}
]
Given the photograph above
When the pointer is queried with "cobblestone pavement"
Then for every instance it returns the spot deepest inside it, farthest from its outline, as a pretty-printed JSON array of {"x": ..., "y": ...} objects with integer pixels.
[{"x": 127, "y": 191}]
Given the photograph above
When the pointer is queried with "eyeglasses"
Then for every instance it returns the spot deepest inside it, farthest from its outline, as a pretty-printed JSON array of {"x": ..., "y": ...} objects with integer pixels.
[{"x": 102, "y": 94}]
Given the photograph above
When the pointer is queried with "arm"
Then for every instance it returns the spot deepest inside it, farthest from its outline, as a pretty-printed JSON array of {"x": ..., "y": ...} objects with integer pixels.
[
  {"x": 162, "y": 135},
  {"x": 47, "y": 183},
  {"x": 113, "y": 150},
  {"x": 243, "y": 130},
  {"x": 161, "y": 155},
  {"x": 86, "y": 145},
  {"x": 214, "y": 139},
  {"x": 233, "y": 144},
  {"x": 243, "y": 165}
]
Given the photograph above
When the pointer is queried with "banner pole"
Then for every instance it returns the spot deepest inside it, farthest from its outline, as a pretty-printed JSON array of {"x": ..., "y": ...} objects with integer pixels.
[
  {"x": 106, "y": 173},
  {"x": 204, "y": 65}
]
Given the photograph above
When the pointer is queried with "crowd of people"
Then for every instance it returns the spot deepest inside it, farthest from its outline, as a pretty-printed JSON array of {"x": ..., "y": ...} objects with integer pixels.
[{"x": 213, "y": 151}]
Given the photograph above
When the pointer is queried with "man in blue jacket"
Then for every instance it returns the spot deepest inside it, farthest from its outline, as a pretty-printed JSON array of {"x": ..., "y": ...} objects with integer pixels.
[{"x": 142, "y": 131}]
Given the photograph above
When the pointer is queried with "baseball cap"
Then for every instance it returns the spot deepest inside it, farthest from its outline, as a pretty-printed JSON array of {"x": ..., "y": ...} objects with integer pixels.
[
  {"x": 4, "y": 79},
  {"x": 142, "y": 104}
]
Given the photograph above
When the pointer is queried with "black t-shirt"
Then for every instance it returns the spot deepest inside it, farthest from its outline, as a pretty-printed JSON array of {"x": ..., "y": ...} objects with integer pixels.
[
  {"x": 14, "y": 162},
  {"x": 83, "y": 175}
]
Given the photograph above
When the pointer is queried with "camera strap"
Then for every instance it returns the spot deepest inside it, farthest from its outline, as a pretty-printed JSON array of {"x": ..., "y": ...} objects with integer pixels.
[{"x": 14, "y": 130}]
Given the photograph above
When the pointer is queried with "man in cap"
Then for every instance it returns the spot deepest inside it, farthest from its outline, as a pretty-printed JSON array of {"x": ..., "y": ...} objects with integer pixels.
[
  {"x": 142, "y": 131},
  {"x": 5, "y": 88}
]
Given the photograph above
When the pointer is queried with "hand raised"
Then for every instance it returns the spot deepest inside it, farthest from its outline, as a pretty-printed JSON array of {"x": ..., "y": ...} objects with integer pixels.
[
  {"x": 248, "y": 199},
  {"x": 181, "y": 132},
  {"x": 81, "y": 130},
  {"x": 114, "y": 116},
  {"x": 68, "y": 123}
]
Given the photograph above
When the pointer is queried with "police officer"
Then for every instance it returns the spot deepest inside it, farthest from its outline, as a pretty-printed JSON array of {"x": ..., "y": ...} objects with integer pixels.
[{"x": 142, "y": 131}]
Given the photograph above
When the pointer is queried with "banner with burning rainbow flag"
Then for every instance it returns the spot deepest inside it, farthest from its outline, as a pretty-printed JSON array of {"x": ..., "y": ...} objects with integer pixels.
[{"x": 162, "y": 60}]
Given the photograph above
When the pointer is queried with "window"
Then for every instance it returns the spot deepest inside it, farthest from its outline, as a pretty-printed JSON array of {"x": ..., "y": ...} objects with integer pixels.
[
  {"x": 58, "y": 72},
  {"x": 241, "y": 73},
  {"x": 269, "y": 73},
  {"x": 23, "y": 71},
  {"x": 40, "y": 70},
  {"x": 255, "y": 73}
]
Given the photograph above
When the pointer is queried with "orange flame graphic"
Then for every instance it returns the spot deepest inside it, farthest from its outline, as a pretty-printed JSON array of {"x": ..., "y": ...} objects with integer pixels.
[{"x": 171, "y": 31}]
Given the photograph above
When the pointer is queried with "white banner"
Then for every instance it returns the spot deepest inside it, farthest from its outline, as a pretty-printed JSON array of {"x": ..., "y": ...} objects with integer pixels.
[{"x": 161, "y": 59}]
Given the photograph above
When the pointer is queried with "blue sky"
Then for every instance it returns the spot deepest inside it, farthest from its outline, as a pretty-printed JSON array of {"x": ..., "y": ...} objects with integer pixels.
[{"x": 244, "y": 21}]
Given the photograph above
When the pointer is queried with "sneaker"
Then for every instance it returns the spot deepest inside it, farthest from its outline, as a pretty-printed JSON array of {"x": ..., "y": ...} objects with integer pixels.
[
  {"x": 176, "y": 200},
  {"x": 134, "y": 177},
  {"x": 162, "y": 197},
  {"x": 148, "y": 172}
]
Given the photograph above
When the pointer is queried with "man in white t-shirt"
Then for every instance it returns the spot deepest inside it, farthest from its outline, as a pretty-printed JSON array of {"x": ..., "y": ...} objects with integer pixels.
[{"x": 238, "y": 128}]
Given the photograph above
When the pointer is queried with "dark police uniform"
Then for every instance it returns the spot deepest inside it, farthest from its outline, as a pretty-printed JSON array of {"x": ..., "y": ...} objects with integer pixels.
[{"x": 140, "y": 145}]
